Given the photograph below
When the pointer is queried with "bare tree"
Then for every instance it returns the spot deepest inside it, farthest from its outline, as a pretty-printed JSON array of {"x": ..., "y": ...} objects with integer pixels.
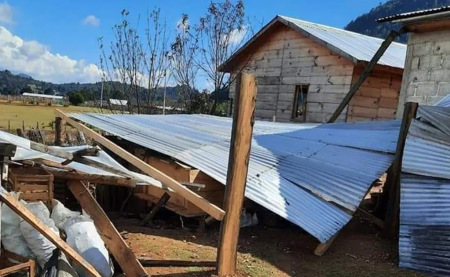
[
  {"x": 220, "y": 33},
  {"x": 183, "y": 61},
  {"x": 157, "y": 56},
  {"x": 136, "y": 61}
]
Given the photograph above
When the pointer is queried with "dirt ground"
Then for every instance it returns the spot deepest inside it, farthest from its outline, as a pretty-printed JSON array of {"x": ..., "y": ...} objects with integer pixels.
[{"x": 288, "y": 251}]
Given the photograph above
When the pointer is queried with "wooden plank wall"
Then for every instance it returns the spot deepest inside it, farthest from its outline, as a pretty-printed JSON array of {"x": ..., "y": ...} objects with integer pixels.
[
  {"x": 377, "y": 99},
  {"x": 286, "y": 58}
]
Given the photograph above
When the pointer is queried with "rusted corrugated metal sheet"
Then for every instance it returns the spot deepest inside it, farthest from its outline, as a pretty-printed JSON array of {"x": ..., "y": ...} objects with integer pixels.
[
  {"x": 425, "y": 194},
  {"x": 314, "y": 175}
]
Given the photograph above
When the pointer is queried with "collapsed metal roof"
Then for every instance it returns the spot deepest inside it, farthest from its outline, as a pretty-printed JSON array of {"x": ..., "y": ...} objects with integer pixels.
[
  {"x": 425, "y": 193},
  {"x": 24, "y": 152},
  {"x": 312, "y": 175},
  {"x": 354, "y": 46}
]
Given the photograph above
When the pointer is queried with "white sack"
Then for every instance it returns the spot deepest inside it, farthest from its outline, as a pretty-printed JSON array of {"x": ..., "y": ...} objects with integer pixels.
[
  {"x": 60, "y": 214},
  {"x": 83, "y": 237},
  {"x": 12, "y": 238},
  {"x": 39, "y": 245}
]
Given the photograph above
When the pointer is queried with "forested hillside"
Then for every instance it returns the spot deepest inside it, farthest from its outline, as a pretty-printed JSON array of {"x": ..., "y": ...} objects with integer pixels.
[{"x": 366, "y": 23}]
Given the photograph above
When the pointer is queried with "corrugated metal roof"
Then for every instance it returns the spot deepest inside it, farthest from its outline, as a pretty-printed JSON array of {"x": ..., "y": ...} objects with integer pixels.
[
  {"x": 414, "y": 14},
  {"x": 353, "y": 46},
  {"x": 24, "y": 152},
  {"x": 444, "y": 102},
  {"x": 425, "y": 194},
  {"x": 312, "y": 175},
  {"x": 360, "y": 47}
]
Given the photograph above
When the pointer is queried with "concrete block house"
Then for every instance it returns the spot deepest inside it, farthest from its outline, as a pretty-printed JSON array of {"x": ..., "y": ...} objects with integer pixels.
[
  {"x": 304, "y": 70},
  {"x": 426, "y": 78}
]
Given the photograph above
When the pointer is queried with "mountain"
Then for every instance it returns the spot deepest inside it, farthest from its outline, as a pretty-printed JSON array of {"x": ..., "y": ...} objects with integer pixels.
[
  {"x": 366, "y": 23},
  {"x": 16, "y": 83}
]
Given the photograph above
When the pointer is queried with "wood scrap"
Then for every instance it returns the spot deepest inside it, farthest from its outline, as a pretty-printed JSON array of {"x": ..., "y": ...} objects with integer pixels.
[
  {"x": 113, "y": 241},
  {"x": 162, "y": 201}
]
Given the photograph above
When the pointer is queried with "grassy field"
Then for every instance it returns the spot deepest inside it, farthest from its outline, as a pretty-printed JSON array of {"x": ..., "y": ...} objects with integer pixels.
[{"x": 16, "y": 113}]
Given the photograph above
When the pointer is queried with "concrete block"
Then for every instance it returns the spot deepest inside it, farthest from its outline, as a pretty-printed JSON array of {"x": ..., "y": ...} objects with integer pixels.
[
  {"x": 415, "y": 63},
  {"x": 423, "y": 49},
  {"x": 443, "y": 89},
  {"x": 446, "y": 61},
  {"x": 418, "y": 75},
  {"x": 440, "y": 75},
  {"x": 411, "y": 90},
  {"x": 426, "y": 89},
  {"x": 431, "y": 100},
  {"x": 417, "y": 99},
  {"x": 436, "y": 61},
  {"x": 424, "y": 62},
  {"x": 441, "y": 46}
]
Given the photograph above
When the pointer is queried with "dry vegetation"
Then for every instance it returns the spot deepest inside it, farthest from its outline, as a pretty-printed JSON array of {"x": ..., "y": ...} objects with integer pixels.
[{"x": 17, "y": 112}]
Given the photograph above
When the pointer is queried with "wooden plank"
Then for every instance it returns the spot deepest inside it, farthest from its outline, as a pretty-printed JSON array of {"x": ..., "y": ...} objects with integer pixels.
[
  {"x": 113, "y": 241},
  {"x": 323, "y": 247},
  {"x": 241, "y": 138},
  {"x": 194, "y": 198},
  {"x": 24, "y": 213},
  {"x": 60, "y": 131},
  {"x": 362, "y": 101},
  {"x": 175, "y": 263},
  {"x": 162, "y": 201},
  {"x": 393, "y": 186},
  {"x": 384, "y": 46}
]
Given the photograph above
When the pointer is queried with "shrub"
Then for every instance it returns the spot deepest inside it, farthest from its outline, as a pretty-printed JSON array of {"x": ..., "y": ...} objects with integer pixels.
[{"x": 75, "y": 98}]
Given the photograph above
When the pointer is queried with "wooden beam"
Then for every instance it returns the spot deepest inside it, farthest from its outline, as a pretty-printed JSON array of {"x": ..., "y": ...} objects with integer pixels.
[
  {"x": 60, "y": 131},
  {"x": 181, "y": 190},
  {"x": 323, "y": 247},
  {"x": 241, "y": 139},
  {"x": 355, "y": 86},
  {"x": 29, "y": 217},
  {"x": 175, "y": 263},
  {"x": 393, "y": 186},
  {"x": 162, "y": 201},
  {"x": 113, "y": 241}
]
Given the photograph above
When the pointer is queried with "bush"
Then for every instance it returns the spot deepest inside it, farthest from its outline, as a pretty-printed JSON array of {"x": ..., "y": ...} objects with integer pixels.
[{"x": 75, "y": 98}]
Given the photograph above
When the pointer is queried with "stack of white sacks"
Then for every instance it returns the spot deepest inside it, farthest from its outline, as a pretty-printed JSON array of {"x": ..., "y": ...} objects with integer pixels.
[{"x": 19, "y": 237}]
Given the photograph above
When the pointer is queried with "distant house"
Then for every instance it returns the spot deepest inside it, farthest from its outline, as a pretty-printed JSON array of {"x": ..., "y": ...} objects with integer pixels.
[
  {"x": 426, "y": 79},
  {"x": 305, "y": 69}
]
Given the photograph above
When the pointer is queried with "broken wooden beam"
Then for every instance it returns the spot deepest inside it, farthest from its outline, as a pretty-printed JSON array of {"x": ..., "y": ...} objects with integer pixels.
[
  {"x": 113, "y": 241},
  {"x": 29, "y": 217},
  {"x": 356, "y": 85},
  {"x": 181, "y": 190},
  {"x": 162, "y": 201},
  {"x": 241, "y": 139}
]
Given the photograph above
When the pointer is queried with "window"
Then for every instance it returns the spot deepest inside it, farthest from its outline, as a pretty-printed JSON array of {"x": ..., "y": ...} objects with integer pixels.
[{"x": 299, "y": 107}]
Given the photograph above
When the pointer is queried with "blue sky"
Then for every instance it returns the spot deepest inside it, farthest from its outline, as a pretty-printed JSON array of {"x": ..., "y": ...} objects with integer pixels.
[{"x": 65, "y": 32}]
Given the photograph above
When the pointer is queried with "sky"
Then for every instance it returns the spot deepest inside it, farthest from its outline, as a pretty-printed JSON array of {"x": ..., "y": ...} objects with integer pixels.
[{"x": 57, "y": 41}]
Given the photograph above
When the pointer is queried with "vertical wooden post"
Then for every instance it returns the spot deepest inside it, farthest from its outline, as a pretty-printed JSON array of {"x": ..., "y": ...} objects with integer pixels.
[
  {"x": 393, "y": 181},
  {"x": 60, "y": 131},
  {"x": 241, "y": 138}
]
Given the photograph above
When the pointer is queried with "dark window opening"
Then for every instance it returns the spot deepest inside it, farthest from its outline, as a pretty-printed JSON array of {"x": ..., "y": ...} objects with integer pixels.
[{"x": 299, "y": 107}]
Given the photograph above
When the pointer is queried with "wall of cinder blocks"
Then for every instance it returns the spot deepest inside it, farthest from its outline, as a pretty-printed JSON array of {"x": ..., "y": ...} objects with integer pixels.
[{"x": 426, "y": 78}]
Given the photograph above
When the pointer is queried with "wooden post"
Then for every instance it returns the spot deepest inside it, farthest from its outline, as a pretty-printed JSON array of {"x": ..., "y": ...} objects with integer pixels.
[
  {"x": 113, "y": 241},
  {"x": 181, "y": 190},
  {"x": 24, "y": 213},
  {"x": 60, "y": 131},
  {"x": 355, "y": 86},
  {"x": 162, "y": 201},
  {"x": 393, "y": 185},
  {"x": 241, "y": 138}
]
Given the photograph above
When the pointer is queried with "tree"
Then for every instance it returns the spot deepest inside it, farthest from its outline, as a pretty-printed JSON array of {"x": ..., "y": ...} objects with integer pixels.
[
  {"x": 26, "y": 89},
  {"x": 220, "y": 33},
  {"x": 75, "y": 98},
  {"x": 183, "y": 64},
  {"x": 135, "y": 60},
  {"x": 49, "y": 91}
]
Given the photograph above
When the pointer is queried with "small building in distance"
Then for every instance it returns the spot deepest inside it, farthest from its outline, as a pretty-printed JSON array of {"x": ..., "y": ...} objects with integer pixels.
[
  {"x": 43, "y": 98},
  {"x": 426, "y": 78},
  {"x": 304, "y": 70}
]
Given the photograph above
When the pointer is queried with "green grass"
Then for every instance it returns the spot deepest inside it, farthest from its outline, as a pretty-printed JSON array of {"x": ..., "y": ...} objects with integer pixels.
[{"x": 16, "y": 113}]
